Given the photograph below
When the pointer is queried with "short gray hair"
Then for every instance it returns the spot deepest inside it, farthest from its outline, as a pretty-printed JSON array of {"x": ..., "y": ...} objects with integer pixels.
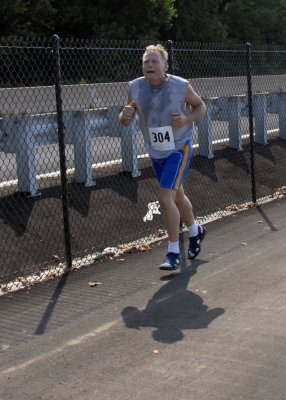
[{"x": 159, "y": 48}]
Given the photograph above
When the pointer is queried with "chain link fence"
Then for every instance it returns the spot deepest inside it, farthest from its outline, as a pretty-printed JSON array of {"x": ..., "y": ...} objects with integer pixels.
[{"x": 74, "y": 182}]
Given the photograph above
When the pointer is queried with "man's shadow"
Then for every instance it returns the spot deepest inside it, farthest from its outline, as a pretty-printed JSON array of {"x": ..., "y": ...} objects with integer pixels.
[{"x": 172, "y": 309}]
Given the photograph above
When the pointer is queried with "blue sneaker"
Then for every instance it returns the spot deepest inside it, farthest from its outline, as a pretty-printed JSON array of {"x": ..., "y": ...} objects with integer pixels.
[
  {"x": 172, "y": 262},
  {"x": 195, "y": 243}
]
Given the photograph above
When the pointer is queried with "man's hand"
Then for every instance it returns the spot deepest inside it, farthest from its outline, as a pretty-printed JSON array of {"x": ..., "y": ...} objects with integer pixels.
[
  {"x": 179, "y": 120},
  {"x": 128, "y": 112}
]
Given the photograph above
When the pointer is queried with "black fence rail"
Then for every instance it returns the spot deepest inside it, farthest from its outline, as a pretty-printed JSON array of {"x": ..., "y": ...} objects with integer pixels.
[{"x": 74, "y": 182}]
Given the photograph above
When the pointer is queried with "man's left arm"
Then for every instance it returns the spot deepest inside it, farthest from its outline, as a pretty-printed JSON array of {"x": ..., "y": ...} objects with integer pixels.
[{"x": 196, "y": 107}]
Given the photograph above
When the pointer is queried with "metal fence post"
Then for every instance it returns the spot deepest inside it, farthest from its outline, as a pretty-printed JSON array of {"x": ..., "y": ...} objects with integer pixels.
[
  {"x": 61, "y": 140},
  {"x": 170, "y": 56},
  {"x": 250, "y": 119}
]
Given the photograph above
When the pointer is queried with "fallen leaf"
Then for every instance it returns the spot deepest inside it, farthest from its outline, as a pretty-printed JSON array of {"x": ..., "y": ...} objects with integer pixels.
[
  {"x": 244, "y": 244},
  {"x": 134, "y": 248},
  {"x": 232, "y": 207},
  {"x": 156, "y": 351}
]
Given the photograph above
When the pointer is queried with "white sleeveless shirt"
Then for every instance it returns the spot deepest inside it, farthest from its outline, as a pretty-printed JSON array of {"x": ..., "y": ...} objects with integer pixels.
[{"x": 156, "y": 103}]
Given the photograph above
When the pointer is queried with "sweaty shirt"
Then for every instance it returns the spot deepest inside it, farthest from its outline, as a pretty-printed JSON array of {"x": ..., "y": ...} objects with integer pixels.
[{"x": 156, "y": 103}]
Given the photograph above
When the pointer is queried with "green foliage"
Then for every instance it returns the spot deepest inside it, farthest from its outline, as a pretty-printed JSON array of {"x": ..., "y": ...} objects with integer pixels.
[
  {"x": 230, "y": 21},
  {"x": 227, "y": 21},
  {"x": 258, "y": 22},
  {"x": 26, "y": 17},
  {"x": 42, "y": 14},
  {"x": 12, "y": 16},
  {"x": 115, "y": 19},
  {"x": 197, "y": 21}
]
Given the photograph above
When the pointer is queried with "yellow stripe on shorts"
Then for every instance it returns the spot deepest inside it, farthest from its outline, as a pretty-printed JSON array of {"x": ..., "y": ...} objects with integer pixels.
[{"x": 183, "y": 166}]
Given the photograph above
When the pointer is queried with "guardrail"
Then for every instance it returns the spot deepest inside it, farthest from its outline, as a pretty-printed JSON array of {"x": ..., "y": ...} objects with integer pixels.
[
  {"x": 232, "y": 109},
  {"x": 22, "y": 133}
]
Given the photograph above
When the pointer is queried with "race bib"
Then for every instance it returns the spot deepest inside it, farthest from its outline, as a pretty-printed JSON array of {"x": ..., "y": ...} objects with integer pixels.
[{"x": 162, "y": 138}]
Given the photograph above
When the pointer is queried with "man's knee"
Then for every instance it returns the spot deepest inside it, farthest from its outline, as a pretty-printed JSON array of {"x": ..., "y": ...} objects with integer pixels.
[
  {"x": 182, "y": 201},
  {"x": 166, "y": 198}
]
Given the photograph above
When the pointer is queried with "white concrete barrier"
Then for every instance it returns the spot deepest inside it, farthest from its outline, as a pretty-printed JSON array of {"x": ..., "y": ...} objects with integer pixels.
[
  {"x": 231, "y": 109},
  {"x": 22, "y": 133}
]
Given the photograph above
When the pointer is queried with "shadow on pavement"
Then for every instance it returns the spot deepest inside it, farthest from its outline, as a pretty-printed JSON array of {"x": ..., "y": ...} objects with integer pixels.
[
  {"x": 266, "y": 219},
  {"x": 172, "y": 309},
  {"x": 52, "y": 304}
]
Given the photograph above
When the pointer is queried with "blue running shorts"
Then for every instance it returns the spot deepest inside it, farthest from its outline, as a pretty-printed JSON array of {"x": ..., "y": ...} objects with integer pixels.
[{"x": 172, "y": 170}]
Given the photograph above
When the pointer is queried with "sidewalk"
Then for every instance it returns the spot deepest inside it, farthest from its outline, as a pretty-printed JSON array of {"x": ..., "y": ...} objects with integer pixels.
[{"x": 216, "y": 331}]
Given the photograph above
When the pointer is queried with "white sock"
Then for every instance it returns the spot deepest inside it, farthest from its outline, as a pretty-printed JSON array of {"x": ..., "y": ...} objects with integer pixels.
[
  {"x": 193, "y": 230},
  {"x": 173, "y": 247}
]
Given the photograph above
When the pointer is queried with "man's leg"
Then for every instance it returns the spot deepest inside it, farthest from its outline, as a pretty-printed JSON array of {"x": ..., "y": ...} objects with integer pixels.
[
  {"x": 185, "y": 207},
  {"x": 170, "y": 212},
  {"x": 171, "y": 216},
  {"x": 196, "y": 232}
]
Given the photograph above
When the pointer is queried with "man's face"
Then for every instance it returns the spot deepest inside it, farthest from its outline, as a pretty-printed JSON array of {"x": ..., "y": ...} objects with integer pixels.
[{"x": 154, "y": 67}]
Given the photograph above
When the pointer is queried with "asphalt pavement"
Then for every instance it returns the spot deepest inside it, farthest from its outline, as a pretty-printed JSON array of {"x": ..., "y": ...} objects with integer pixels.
[{"x": 123, "y": 329}]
